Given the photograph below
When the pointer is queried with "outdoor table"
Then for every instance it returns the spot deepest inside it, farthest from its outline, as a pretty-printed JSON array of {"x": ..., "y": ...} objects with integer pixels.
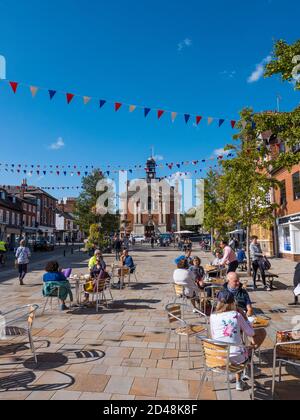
[{"x": 78, "y": 280}]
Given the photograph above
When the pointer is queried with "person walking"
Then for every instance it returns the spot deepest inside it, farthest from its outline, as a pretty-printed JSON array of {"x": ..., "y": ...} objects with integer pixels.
[
  {"x": 152, "y": 241},
  {"x": 229, "y": 257},
  {"x": 118, "y": 248},
  {"x": 296, "y": 284},
  {"x": 22, "y": 256},
  {"x": 257, "y": 258}
]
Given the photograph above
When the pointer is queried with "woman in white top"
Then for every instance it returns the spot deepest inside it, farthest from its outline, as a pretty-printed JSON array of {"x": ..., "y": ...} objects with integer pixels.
[
  {"x": 22, "y": 256},
  {"x": 227, "y": 325},
  {"x": 183, "y": 277}
]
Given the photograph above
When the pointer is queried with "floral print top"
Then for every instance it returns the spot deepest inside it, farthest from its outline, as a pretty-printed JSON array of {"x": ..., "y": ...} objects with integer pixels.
[{"x": 228, "y": 327}]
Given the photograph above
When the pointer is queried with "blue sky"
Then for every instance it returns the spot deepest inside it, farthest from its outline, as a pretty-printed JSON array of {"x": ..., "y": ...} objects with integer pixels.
[{"x": 187, "y": 56}]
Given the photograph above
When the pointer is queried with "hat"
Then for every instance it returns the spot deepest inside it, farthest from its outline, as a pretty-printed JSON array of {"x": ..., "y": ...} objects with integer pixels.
[{"x": 177, "y": 261}]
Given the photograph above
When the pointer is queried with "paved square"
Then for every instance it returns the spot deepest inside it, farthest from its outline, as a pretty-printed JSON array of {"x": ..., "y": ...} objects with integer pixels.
[{"x": 118, "y": 353}]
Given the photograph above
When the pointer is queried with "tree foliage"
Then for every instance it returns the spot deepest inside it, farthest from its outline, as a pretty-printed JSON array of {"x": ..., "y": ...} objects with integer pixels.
[
  {"x": 86, "y": 207},
  {"x": 283, "y": 62}
]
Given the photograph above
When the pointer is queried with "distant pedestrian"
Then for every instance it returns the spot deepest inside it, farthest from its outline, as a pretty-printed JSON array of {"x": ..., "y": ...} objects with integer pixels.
[
  {"x": 296, "y": 284},
  {"x": 22, "y": 259},
  {"x": 229, "y": 257},
  {"x": 152, "y": 242},
  {"x": 257, "y": 258},
  {"x": 118, "y": 248}
]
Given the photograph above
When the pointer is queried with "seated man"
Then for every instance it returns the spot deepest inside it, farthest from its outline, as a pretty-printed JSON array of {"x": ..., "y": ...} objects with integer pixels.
[
  {"x": 243, "y": 303},
  {"x": 127, "y": 261}
]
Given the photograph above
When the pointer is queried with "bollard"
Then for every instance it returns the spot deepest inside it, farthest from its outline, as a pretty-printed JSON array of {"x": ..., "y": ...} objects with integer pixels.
[
  {"x": 64, "y": 253},
  {"x": 72, "y": 251}
]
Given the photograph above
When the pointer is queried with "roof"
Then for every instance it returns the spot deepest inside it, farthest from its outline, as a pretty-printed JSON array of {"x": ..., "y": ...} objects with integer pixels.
[
  {"x": 66, "y": 215},
  {"x": 32, "y": 190}
]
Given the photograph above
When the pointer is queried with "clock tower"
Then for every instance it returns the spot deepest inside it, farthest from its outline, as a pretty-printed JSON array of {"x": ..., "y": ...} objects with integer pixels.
[{"x": 150, "y": 169}]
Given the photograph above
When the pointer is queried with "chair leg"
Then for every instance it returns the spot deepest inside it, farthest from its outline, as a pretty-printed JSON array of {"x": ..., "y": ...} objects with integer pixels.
[
  {"x": 274, "y": 376},
  {"x": 166, "y": 345},
  {"x": 280, "y": 371},
  {"x": 32, "y": 346},
  {"x": 202, "y": 382},
  {"x": 252, "y": 378},
  {"x": 189, "y": 351},
  {"x": 47, "y": 300},
  {"x": 229, "y": 386}
]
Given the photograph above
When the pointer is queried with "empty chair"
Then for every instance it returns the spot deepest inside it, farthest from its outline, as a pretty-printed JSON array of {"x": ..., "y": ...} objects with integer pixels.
[
  {"x": 19, "y": 323},
  {"x": 181, "y": 325}
]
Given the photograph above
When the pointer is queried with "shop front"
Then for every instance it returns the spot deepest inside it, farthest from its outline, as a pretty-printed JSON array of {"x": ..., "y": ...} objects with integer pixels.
[{"x": 289, "y": 237}]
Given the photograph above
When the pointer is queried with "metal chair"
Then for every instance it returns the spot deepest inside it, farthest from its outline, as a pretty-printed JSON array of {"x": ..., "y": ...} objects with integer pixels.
[
  {"x": 185, "y": 328},
  {"x": 18, "y": 323},
  {"x": 179, "y": 293},
  {"x": 217, "y": 361},
  {"x": 133, "y": 272},
  {"x": 211, "y": 296},
  {"x": 285, "y": 352},
  {"x": 54, "y": 295},
  {"x": 98, "y": 293}
]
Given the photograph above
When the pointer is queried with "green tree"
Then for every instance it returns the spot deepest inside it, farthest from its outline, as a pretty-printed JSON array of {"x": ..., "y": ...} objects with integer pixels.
[
  {"x": 285, "y": 60},
  {"x": 216, "y": 220},
  {"x": 87, "y": 213}
]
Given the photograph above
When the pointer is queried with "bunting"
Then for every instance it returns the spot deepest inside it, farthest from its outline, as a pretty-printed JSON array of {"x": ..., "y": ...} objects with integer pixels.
[{"x": 118, "y": 105}]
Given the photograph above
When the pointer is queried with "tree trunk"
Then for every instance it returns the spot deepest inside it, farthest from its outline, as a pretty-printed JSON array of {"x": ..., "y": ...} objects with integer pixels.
[{"x": 248, "y": 250}]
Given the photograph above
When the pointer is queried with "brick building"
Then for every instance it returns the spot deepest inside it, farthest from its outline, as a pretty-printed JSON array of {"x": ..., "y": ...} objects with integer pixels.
[
  {"x": 152, "y": 214},
  {"x": 10, "y": 218}
]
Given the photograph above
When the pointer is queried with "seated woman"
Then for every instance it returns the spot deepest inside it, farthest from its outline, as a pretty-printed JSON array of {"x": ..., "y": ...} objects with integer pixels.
[
  {"x": 227, "y": 325},
  {"x": 55, "y": 281},
  {"x": 183, "y": 277},
  {"x": 217, "y": 262},
  {"x": 97, "y": 272}
]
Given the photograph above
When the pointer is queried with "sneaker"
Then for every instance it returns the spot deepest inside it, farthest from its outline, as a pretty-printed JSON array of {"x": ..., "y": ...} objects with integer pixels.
[
  {"x": 239, "y": 386},
  {"x": 268, "y": 289},
  {"x": 64, "y": 308},
  {"x": 247, "y": 374},
  {"x": 21, "y": 283}
]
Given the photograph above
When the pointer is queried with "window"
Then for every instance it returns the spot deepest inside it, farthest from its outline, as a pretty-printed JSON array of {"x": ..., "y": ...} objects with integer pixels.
[
  {"x": 1, "y": 216},
  {"x": 283, "y": 193},
  {"x": 296, "y": 185},
  {"x": 13, "y": 218}
]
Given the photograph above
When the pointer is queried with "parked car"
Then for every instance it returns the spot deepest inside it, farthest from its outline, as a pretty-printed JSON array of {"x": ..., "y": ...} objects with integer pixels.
[
  {"x": 43, "y": 245},
  {"x": 138, "y": 239}
]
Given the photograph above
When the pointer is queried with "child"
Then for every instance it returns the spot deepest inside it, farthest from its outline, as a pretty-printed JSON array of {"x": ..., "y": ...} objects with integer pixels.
[{"x": 198, "y": 272}]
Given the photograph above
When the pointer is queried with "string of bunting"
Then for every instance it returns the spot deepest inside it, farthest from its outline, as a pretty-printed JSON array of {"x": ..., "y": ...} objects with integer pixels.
[
  {"x": 60, "y": 170},
  {"x": 196, "y": 119}
]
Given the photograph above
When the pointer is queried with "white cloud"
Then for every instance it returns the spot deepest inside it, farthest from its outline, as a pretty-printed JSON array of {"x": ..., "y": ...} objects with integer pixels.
[
  {"x": 228, "y": 74},
  {"x": 59, "y": 144},
  {"x": 221, "y": 152},
  {"x": 186, "y": 43},
  {"x": 259, "y": 70},
  {"x": 158, "y": 158}
]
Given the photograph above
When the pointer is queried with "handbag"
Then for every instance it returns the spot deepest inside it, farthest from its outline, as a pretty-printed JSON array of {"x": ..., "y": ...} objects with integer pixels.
[
  {"x": 89, "y": 287},
  {"x": 266, "y": 264},
  {"x": 297, "y": 290}
]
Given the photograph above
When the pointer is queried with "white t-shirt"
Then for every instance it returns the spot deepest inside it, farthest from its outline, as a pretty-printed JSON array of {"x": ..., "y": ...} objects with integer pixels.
[
  {"x": 227, "y": 327},
  {"x": 186, "y": 278}
]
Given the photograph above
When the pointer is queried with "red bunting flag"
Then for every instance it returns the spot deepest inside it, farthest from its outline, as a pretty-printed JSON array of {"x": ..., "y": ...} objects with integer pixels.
[
  {"x": 118, "y": 105},
  {"x": 233, "y": 123},
  {"x": 70, "y": 97},
  {"x": 14, "y": 86},
  {"x": 160, "y": 113},
  {"x": 198, "y": 120}
]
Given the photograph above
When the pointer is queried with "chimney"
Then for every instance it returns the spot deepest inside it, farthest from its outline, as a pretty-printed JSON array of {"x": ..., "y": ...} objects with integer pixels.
[{"x": 23, "y": 188}]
